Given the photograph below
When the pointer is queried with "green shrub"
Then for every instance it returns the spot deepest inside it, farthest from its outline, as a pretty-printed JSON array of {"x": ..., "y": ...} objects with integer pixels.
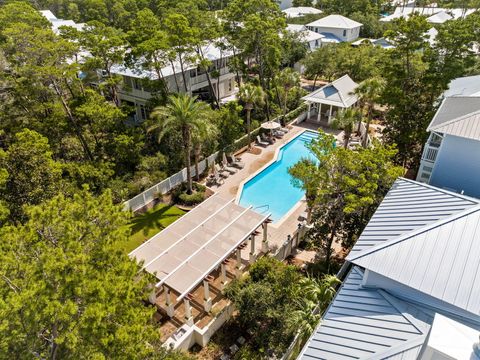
[{"x": 191, "y": 199}]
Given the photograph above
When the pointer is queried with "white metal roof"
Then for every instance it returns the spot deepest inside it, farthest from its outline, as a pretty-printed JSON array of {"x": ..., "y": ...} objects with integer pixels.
[
  {"x": 366, "y": 323},
  {"x": 338, "y": 93},
  {"x": 335, "y": 21},
  {"x": 440, "y": 17},
  {"x": 464, "y": 86},
  {"x": 406, "y": 11},
  {"x": 409, "y": 206},
  {"x": 305, "y": 34},
  {"x": 184, "y": 253},
  {"x": 293, "y": 12}
]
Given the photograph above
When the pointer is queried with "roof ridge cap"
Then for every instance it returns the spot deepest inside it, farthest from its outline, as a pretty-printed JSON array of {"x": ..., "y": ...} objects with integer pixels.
[{"x": 408, "y": 235}]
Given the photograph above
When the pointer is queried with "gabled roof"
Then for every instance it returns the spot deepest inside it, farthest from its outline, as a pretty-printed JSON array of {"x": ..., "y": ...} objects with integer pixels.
[
  {"x": 458, "y": 115},
  {"x": 335, "y": 21},
  {"x": 338, "y": 93},
  {"x": 304, "y": 34},
  {"x": 366, "y": 323},
  {"x": 407, "y": 207},
  {"x": 439, "y": 18}
]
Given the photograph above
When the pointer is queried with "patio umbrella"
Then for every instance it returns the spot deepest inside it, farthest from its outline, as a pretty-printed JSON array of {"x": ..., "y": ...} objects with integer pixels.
[{"x": 271, "y": 125}]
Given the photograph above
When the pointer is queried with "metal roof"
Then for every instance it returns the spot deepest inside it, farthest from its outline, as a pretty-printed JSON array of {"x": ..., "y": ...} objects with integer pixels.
[
  {"x": 184, "y": 253},
  {"x": 409, "y": 206},
  {"x": 305, "y": 34},
  {"x": 467, "y": 126},
  {"x": 464, "y": 86},
  {"x": 293, "y": 12},
  {"x": 335, "y": 21},
  {"x": 441, "y": 260},
  {"x": 366, "y": 323},
  {"x": 338, "y": 93},
  {"x": 453, "y": 109}
]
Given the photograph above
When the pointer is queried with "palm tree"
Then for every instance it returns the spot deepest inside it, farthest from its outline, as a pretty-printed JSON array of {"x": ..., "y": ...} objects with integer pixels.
[
  {"x": 304, "y": 319},
  {"x": 287, "y": 79},
  {"x": 251, "y": 95},
  {"x": 346, "y": 120},
  {"x": 205, "y": 132},
  {"x": 182, "y": 113},
  {"x": 369, "y": 92}
]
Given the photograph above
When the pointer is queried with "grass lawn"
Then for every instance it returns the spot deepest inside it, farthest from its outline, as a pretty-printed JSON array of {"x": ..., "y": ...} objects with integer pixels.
[{"x": 144, "y": 226}]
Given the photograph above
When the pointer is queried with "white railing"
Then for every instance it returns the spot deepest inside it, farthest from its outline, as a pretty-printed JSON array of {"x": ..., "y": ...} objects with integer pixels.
[
  {"x": 166, "y": 185},
  {"x": 430, "y": 153}
]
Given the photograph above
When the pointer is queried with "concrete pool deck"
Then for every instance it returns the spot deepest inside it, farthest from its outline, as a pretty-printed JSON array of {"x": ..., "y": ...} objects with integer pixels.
[{"x": 253, "y": 163}]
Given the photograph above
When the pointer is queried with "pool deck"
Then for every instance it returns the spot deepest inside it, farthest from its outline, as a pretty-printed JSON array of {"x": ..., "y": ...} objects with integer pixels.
[{"x": 277, "y": 232}]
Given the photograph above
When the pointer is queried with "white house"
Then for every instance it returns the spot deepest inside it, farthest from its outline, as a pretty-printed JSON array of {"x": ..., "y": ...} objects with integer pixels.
[
  {"x": 451, "y": 156},
  {"x": 136, "y": 94},
  {"x": 410, "y": 286},
  {"x": 311, "y": 39},
  {"x": 336, "y": 26},
  {"x": 435, "y": 15},
  {"x": 294, "y": 12},
  {"x": 56, "y": 22}
]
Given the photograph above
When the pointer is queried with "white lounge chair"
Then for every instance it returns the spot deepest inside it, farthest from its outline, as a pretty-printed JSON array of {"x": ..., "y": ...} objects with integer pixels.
[
  {"x": 235, "y": 162},
  {"x": 221, "y": 172},
  {"x": 266, "y": 139},
  {"x": 261, "y": 142}
]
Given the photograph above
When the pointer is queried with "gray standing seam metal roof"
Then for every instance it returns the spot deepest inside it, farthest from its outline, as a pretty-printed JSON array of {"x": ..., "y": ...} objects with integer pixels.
[
  {"x": 338, "y": 93},
  {"x": 454, "y": 108},
  {"x": 406, "y": 207},
  {"x": 367, "y": 323},
  {"x": 467, "y": 126}
]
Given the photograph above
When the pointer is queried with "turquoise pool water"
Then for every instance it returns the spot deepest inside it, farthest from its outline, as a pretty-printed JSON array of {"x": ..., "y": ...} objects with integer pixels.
[{"x": 271, "y": 191}]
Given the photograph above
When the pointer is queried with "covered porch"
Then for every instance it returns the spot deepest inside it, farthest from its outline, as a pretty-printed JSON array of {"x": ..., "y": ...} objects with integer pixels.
[{"x": 324, "y": 103}]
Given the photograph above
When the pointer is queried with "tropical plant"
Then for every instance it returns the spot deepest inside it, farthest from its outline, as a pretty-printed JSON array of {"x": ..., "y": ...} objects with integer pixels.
[
  {"x": 370, "y": 91},
  {"x": 206, "y": 131},
  {"x": 251, "y": 95},
  {"x": 346, "y": 120},
  {"x": 182, "y": 113},
  {"x": 287, "y": 79}
]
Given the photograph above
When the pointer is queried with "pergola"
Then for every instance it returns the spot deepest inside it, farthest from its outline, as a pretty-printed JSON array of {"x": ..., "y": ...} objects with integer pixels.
[
  {"x": 186, "y": 253},
  {"x": 336, "y": 95}
]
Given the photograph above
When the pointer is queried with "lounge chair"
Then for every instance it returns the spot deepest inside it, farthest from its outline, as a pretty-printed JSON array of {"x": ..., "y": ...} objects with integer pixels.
[
  {"x": 267, "y": 139},
  {"x": 262, "y": 143},
  {"x": 283, "y": 130},
  {"x": 214, "y": 179},
  {"x": 221, "y": 172},
  {"x": 228, "y": 168},
  {"x": 278, "y": 134},
  {"x": 235, "y": 162}
]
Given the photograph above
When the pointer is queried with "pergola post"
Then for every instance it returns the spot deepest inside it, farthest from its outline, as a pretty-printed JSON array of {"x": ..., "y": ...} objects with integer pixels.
[
  {"x": 188, "y": 312},
  {"x": 265, "y": 238},
  {"x": 319, "y": 115},
  {"x": 207, "y": 300},
  {"x": 252, "y": 249},
  {"x": 238, "y": 267},
  {"x": 330, "y": 115},
  {"x": 308, "y": 112},
  {"x": 223, "y": 275},
  {"x": 168, "y": 302}
]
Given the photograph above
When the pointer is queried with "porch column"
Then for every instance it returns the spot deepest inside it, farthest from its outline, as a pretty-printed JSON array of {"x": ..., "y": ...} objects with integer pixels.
[
  {"x": 252, "y": 249},
  {"x": 319, "y": 117},
  {"x": 265, "y": 238},
  {"x": 207, "y": 301},
  {"x": 168, "y": 302},
  {"x": 330, "y": 115},
  {"x": 308, "y": 112},
  {"x": 188, "y": 312},
  {"x": 223, "y": 275},
  {"x": 238, "y": 267}
]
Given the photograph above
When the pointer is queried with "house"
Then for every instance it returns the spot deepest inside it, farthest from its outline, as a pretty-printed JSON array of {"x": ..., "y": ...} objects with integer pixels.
[
  {"x": 450, "y": 157},
  {"x": 136, "y": 93},
  {"x": 311, "y": 39},
  {"x": 435, "y": 15},
  {"x": 382, "y": 42},
  {"x": 411, "y": 286},
  {"x": 336, "y": 26},
  {"x": 294, "y": 12},
  {"x": 56, "y": 23},
  {"x": 332, "y": 97}
]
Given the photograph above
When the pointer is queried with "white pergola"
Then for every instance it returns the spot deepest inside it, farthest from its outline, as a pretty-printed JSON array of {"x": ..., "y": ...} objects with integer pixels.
[
  {"x": 183, "y": 255},
  {"x": 339, "y": 94}
]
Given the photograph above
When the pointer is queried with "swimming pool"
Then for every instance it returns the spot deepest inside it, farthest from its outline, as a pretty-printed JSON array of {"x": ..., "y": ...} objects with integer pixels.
[{"x": 271, "y": 190}]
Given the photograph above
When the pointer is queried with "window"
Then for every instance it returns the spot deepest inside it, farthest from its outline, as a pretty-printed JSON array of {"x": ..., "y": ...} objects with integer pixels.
[
  {"x": 137, "y": 84},
  {"x": 344, "y": 33},
  {"x": 230, "y": 85},
  {"x": 143, "y": 112}
]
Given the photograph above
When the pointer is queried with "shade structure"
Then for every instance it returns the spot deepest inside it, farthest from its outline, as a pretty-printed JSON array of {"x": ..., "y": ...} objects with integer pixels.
[
  {"x": 184, "y": 253},
  {"x": 271, "y": 125}
]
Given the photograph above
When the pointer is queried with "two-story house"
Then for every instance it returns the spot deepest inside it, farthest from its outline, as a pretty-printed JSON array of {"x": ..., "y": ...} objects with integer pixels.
[
  {"x": 336, "y": 28},
  {"x": 135, "y": 93},
  {"x": 411, "y": 283},
  {"x": 451, "y": 156}
]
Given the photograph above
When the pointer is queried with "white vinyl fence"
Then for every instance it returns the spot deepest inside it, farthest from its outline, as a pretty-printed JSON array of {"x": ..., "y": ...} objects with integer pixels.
[{"x": 166, "y": 185}]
